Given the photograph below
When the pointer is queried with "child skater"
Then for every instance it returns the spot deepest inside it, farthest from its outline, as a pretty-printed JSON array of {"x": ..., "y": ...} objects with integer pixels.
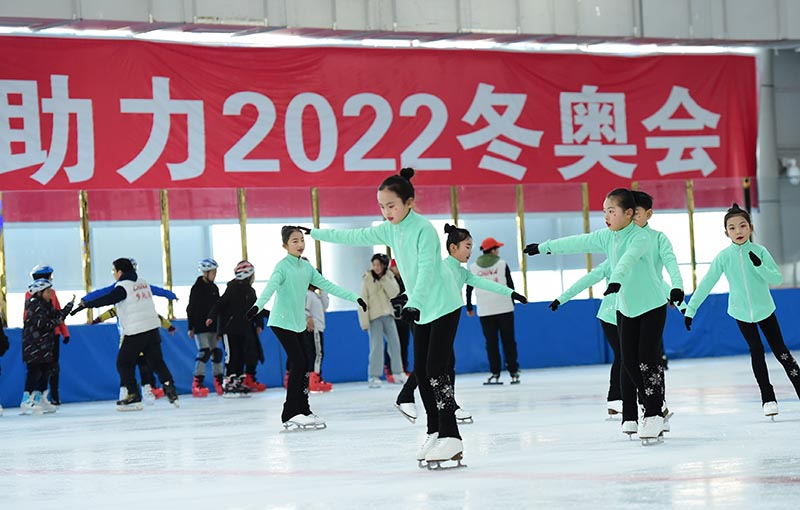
[
  {"x": 607, "y": 315},
  {"x": 317, "y": 302},
  {"x": 459, "y": 249},
  {"x": 750, "y": 270},
  {"x": 289, "y": 282},
  {"x": 434, "y": 305},
  {"x": 38, "y": 340},
  {"x": 54, "y": 398},
  {"x": 641, "y": 304},
  {"x": 202, "y": 297}
]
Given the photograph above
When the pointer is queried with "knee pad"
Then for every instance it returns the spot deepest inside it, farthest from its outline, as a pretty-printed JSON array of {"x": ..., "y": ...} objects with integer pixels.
[
  {"x": 216, "y": 355},
  {"x": 203, "y": 354}
]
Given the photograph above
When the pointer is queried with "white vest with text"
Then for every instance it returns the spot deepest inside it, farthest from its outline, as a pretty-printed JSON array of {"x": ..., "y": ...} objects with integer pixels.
[
  {"x": 490, "y": 303},
  {"x": 137, "y": 312}
]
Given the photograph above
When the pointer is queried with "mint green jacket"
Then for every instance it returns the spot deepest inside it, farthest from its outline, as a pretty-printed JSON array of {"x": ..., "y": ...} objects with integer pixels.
[
  {"x": 608, "y": 307},
  {"x": 665, "y": 257},
  {"x": 462, "y": 276},
  {"x": 630, "y": 252},
  {"x": 418, "y": 253},
  {"x": 289, "y": 282},
  {"x": 749, "y": 299}
]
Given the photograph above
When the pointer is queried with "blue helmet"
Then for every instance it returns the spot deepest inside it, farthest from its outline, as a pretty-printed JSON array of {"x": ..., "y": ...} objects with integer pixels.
[
  {"x": 41, "y": 272},
  {"x": 39, "y": 285},
  {"x": 207, "y": 265}
]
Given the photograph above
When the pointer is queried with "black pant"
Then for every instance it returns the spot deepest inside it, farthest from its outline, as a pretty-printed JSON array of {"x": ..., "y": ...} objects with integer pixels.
[
  {"x": 502, "y": 323},
  {"x": 406, "y": 395},
  {"x": 403, "y": 333},
  {"x": 55, "y": 369},
  {"x": 240, "y": 349},
  {"x": 772, "y": 332},
  {"x": 145, "y": 373},
  {"x": 36, "y": 376},
  {"x": 614, "y": 382},
  {"x": 149, "y": 344},
  {"x": 433, "y": 357},
  {"x": 640, "y": 346},
  {"x": 253, "y": 353},
  {"x": 297, "y": 389}
]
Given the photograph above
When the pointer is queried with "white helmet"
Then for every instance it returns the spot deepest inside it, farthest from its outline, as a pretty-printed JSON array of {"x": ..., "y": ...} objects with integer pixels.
[
  {"x": 244, "y": 270},
  {"x": 39, "y": 285},
  {"x": 207, "y": 265}
]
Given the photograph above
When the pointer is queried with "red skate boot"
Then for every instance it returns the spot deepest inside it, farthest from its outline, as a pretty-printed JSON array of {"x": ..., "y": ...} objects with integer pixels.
[
  {"x": 218, "y": 384},
  {"x": 254, "y": 386},
  {"x": 198, "y": 390}
]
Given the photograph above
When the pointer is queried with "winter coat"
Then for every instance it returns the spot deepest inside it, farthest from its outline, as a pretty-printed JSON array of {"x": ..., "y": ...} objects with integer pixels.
[
  {"x": 378, "y": 295},
  {"x": 228, "y": 313},
  {"x": 62, "y": 328},
  {"x": 202, "y": 298},
  {"x": 39, "y": 331},
  {"x": 749, "y": 299},
  {"x": 418, "y": 252}
]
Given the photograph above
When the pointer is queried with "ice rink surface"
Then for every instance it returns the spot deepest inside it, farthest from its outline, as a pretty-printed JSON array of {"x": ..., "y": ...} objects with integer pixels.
[{"x": 545, "y": 443}]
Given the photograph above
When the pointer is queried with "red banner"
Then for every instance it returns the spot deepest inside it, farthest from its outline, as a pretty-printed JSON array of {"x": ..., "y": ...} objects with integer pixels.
[{"x": 124, "y": 114}]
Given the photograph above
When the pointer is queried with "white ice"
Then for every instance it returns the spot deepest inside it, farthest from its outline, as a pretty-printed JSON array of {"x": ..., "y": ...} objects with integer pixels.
[{"x": 541, "y": 444}]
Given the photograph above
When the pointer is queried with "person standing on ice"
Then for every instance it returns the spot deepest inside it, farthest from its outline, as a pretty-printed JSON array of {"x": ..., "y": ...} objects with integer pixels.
[
  {"x": 202, "y": 298},
  {"x": 434, "y": 305},
  {"x": 287, "y": 319},
  {"x": 641, "y": 303},
  {"x": 750, "y": 270}
]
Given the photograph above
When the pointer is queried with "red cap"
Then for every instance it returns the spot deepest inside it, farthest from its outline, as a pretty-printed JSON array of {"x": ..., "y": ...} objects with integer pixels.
[
  {"x": 393, "y": 263},
  {"x": 489, "y": 243}
]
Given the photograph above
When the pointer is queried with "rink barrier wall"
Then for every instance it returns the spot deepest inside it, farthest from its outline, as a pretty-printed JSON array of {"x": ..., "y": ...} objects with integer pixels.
[{"x": 570, "y": 336}]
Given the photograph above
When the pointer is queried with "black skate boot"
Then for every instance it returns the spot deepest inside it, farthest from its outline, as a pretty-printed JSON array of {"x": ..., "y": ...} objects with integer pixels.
[
  {"x": 171, "y": 393},
  {"x": 130, "y": 403},
  {"x": 493, "y": 379}
]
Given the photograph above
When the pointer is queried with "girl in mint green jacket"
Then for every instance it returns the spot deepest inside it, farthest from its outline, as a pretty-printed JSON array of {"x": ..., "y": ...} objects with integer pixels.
[
  {"x": 640, "y": 301},
  {"x": 289, "y": 282},
  {"x": 750, "y": 270},
  {"x": 434, "y": 303}
]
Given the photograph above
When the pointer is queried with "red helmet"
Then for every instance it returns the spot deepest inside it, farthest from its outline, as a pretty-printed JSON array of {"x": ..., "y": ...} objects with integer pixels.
[{"x": 244, "y": 270}]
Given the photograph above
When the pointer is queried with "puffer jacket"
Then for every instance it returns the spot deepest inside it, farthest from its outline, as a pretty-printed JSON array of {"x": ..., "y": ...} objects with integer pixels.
[
  {"x": 378, "y": 295},
  {"x": 39, "y": 331}
]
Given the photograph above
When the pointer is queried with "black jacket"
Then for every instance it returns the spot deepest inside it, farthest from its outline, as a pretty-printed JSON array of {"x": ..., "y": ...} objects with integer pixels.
[
  {"x": 229, "y": 312},
  {"x": 202, "y": 298}
]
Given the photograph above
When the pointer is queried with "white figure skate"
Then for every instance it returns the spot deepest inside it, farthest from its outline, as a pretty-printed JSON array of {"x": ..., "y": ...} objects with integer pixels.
[
  {"x": 408, "y": 410},
  {"x": 303, "y": 422},
  {"x": 651, "y": 430},
  {"x": 771, "y": 410},
  {"x": 430, "y": 442},
  {"x": 446, "y": 449},
  {"x": 630, "y": 428},
  {"x": 463, "y": 416},
  {"x": 147, "y": 395},
  {"x": 614, "y": 408}
]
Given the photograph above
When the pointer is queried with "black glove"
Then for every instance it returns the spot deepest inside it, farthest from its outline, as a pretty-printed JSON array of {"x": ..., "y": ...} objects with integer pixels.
[
  {"x": 410, "y": 314},
  {"x": 362, "y": 304},
  {"x": 754, "y": 258},
  {"x": 519, "y": 297},
  {"x": 554, "y": 305},
  {"x": 676, "y": 296},
  {"x": 612, "y": 288},
  {"x": 78, "y": 308},
  {"x": 304, "y": 230},
  {"x": 251, "y": 313},
  {"x": 96, "y": 320},
  {"x": 66, "y": 340},
  {"x": 67, "y": 308},
  {"x": 687, "y": 321},
  {"x": 531, "y": 249}
]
